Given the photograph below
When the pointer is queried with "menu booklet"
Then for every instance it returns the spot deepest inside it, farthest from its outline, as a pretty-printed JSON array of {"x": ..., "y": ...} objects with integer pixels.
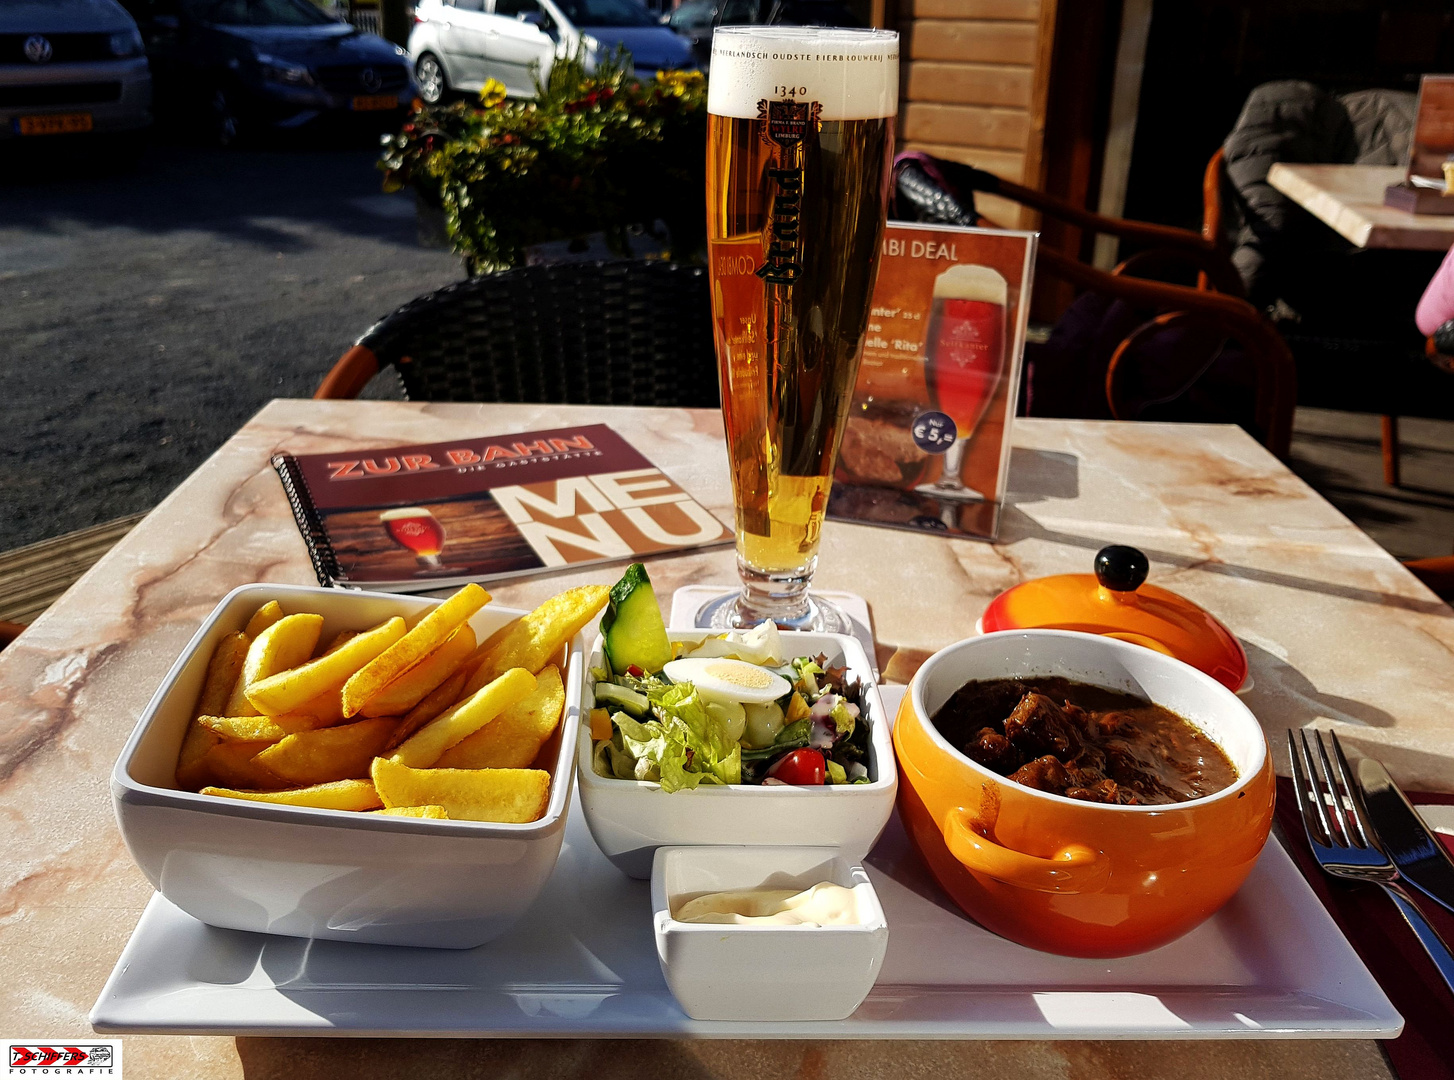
[
  {"x": 926, "y": 445},
  {"x": 417, "y": 518}
]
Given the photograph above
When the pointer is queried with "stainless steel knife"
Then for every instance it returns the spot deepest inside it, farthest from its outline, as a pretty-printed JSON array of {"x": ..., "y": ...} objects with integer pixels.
[{"x": 1414, "y": 849}]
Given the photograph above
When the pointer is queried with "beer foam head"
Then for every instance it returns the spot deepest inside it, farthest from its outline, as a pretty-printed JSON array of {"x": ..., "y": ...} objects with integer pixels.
[
  {"x": 405, "y": 512},
  {"x": 852, "y": 74},
  {"x": 967, "y": 282}
]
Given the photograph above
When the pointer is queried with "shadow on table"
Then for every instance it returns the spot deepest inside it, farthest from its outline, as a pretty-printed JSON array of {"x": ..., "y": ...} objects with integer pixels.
[
  {"x": 1016, "y": 525},
  {"x": 1037, "y": 475},
  {"x": 1297, "y": 700}
]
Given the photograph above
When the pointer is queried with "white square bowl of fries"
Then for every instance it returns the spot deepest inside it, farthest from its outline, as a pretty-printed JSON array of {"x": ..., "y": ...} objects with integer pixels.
[{"x": 368, "y": 767}]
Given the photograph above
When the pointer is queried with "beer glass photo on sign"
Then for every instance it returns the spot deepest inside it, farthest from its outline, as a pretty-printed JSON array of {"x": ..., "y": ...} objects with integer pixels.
[
  {"x": 800, "y": 136},
  {"x": 964, "y": 360},
  {"x": 415, "y": 528}
]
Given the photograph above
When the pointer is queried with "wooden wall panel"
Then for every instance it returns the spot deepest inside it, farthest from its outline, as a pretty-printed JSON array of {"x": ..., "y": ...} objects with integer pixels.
[
  {"x": 1003, "y": 163},
  {"x": 1023, "y": 10},
  {"x": 982, "y": 84},
  {"x": 972, "y": 40},
  {"x": 967, "y": 125}
]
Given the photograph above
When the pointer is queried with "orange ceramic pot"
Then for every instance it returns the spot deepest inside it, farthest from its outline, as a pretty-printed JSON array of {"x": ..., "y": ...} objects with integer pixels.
[{"x": 1061, "y": 875}]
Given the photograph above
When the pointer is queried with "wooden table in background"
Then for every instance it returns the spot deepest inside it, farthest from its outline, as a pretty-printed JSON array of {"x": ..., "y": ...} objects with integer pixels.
[
  {"x": 1349, "y": 199},
  {"x": 1337, "y": 633}
]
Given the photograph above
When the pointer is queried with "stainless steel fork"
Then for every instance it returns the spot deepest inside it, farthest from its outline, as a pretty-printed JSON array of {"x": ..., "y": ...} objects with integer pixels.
[{"x": 1344, "y": 840}]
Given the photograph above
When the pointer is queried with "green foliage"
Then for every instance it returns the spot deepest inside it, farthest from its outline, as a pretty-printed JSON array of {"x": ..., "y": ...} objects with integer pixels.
[{"x": 595, "y": 151}]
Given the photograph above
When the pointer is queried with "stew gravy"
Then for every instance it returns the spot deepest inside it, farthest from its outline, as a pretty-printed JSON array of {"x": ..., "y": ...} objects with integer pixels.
[{"x": 1083, "y": 742}]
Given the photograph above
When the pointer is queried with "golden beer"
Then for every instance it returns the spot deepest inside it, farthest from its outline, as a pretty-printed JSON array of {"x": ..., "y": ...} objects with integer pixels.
[{"x": 800, "y": 142}]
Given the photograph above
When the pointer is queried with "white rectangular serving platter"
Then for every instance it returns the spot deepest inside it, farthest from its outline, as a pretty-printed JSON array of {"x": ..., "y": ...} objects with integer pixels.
[{"x": 582, "y": 964}]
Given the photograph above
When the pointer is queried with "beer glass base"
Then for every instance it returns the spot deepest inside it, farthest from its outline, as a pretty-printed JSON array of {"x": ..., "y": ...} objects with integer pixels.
[
  {"x": 958, "y": 493},
  {"x": 734, "y": 611}
]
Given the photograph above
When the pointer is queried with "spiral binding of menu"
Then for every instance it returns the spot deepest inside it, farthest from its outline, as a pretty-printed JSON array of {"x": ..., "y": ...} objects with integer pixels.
[{"x": 315, "y": 537}]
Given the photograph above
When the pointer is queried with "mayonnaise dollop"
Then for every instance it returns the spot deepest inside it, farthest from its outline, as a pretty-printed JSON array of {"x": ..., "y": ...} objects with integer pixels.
[{"x": 825, "y": 904}]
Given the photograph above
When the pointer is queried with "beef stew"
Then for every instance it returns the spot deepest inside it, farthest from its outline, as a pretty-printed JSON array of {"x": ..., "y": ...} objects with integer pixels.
[{"x": 1083, "y": 742}]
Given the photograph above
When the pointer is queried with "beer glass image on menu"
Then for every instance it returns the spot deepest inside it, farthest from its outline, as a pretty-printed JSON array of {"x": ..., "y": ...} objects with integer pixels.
[
  {"x": 965, "y": 357},
  {"x": 800, "y": 137},
  {"x": 415, "y": 528}
]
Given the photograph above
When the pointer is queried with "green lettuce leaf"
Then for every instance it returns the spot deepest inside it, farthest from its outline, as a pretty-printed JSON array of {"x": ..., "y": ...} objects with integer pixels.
[{"x": 687, "y": 744}]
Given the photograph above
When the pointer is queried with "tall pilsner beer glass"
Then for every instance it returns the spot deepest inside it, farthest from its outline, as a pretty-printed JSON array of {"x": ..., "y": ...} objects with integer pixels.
[{"x": 800, "y": 144}]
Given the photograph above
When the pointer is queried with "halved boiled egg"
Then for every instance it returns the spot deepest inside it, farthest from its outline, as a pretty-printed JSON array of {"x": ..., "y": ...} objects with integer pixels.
[{"x": 722, "y": 679}]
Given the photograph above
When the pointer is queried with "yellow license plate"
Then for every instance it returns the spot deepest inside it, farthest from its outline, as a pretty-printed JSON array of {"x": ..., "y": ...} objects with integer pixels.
[
  {"x": 54, "y": 124},
  {"x": 375, "y": 102}
]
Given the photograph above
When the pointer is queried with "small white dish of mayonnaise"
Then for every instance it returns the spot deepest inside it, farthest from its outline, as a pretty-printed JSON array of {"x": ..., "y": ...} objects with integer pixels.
[{"x": 766, "y": 933}]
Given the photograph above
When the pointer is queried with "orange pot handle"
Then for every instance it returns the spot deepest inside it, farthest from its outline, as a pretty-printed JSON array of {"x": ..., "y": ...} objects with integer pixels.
[{"x": 1075, "y": 868}]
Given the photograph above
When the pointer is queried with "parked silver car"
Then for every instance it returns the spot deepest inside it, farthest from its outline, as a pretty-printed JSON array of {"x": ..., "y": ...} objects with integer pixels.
[
  {"x": 458, "y": 44},
  {"x": 69, "y": 66}
]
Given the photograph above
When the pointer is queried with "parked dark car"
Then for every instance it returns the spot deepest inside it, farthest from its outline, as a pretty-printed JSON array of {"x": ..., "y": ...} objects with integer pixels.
[
  {"x": 695, "y": 20},
  {"x": 236, "y": 65}
]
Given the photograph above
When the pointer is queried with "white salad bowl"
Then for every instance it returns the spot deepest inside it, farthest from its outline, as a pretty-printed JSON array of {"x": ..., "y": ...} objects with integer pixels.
[
  {"x": 630, "y": 819},
  {"x": 722, "y": 971},
  {"x": 312, "y": 873}
]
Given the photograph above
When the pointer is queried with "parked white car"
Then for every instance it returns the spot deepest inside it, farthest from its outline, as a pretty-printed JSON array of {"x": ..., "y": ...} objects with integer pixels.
[
  {"x": 71, "y": 66},
  {"x": 459, "y": 44}
]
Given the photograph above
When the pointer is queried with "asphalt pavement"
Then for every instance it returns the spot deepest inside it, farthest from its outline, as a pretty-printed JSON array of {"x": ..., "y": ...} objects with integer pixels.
[{"x": 146, "y": 313}]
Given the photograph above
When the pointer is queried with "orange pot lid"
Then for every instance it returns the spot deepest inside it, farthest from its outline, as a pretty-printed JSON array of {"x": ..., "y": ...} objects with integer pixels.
[{"x": 1116, "y": 601}]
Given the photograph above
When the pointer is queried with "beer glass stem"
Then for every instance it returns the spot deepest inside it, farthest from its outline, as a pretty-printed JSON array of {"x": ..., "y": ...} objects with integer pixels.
[
  {"x": 950, "y": 485},
  {"x": 428, "y": 562},
  {"x": 782, "y": 598}
]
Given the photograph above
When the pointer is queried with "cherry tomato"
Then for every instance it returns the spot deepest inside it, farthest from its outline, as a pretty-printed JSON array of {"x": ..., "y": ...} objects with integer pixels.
[
  {"x": 635, "y": 672},
  {"x": 799, "y": 767}
]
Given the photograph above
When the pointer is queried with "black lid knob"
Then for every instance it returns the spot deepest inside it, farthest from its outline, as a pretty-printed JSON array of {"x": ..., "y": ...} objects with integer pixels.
[{"x": 1121, "y": 568}]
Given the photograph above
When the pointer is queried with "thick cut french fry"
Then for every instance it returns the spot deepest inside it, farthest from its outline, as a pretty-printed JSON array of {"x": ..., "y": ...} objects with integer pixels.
[
  {"x": 334, "y": 753},
  {"x": 339, "y": 640},
  {"x": 192, "y": 769},
  {"x": 505, "y": 795},
  {"x": 339, "y": 795},
  {"x": 435, "y": 812},
  {"x": 412, "y": 687},
  {"x": 245, "y": 728},
  {"x": 440, "y": 698},
  {"x": 222, "y": 672},
  {"x": 422, "y": 749},
  {"x": 327, "y": 707},
  {"x": 285, "y": 644},
  {"x": 263, "y": 618},
  {"x": 233, "y": 764},
  {"x": 269, "y": 729},
  {"x": 288, "y": 690},
  {"x": 421, "y": 640},
  {"x": 514, "y": 738},
  {"x": 532, "y": 640}
]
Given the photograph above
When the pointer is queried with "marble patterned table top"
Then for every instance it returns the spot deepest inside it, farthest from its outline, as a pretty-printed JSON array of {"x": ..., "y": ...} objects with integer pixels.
[
  {"x": 1337, "y": 634},
  {"x": 1349, "y": 199}
]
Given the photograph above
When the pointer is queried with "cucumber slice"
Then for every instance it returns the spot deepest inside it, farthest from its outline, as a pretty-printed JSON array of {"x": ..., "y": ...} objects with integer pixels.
[
  {"x": 632, "y": 625},
  {"x": 622, "y": 697}
]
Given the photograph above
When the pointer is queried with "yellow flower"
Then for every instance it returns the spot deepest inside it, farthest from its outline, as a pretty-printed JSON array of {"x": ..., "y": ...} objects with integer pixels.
[
  {"x": 492, "y": 93},
  {"x": 679, "y": 82}
]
